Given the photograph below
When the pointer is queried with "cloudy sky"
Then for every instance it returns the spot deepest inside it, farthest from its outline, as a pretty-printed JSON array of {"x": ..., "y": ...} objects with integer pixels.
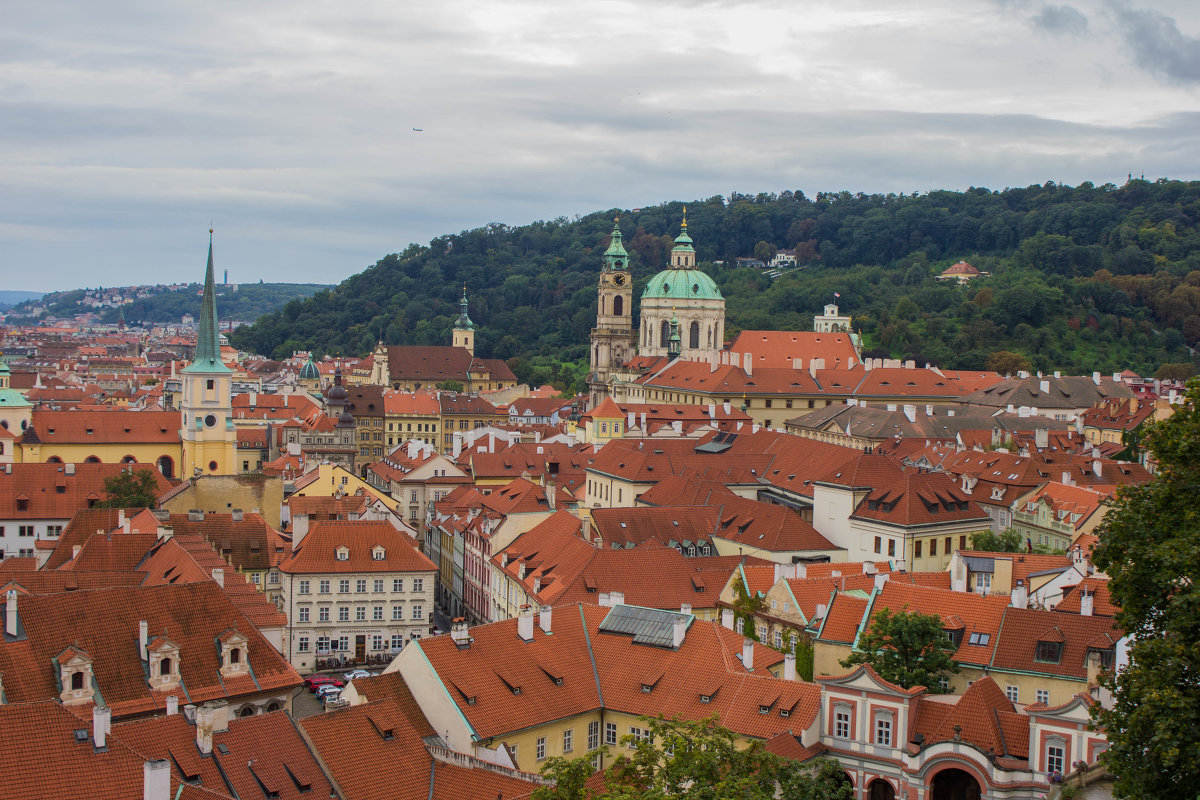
[{"x": 126, "y": 126}]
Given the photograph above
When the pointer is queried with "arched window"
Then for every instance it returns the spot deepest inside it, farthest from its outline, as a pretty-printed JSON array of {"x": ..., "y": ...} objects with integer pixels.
[
  {"x": 54, "y": 460},
  {"x": 91, "y": 460},
  {"x": 235, "y": 655},
  {"x": 618, "y": 305},
  {"x": 273, "y": 706},
  {"x": 166, "y": 465},
  {"x": 247, "y": 711},
  {"x": 666, "y": 332},
  {"x": 128, "y": 460},
  {"x": 694, "y": 336},
  {"x": 164, "y": 667},
  {"x": 77, "y": 680}
]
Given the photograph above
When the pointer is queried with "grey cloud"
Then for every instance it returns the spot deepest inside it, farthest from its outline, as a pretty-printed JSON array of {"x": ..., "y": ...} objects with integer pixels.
[
  {"x": 1061, "y": 20},
  {"x": 1157, "y": 43}
]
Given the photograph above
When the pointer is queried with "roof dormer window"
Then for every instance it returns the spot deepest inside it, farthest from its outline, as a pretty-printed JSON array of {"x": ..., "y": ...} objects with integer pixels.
[
  {"x": 378, "y": 553},
  {"x": 342, "y": 553},
  {"x": 1048, "y": 652}
]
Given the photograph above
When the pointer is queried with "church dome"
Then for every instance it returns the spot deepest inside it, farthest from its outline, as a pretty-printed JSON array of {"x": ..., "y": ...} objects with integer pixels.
[
  {"x": 309, "y": 371},
  {"x": 346, "y": 419},
  {"x": 682, "y": 284},
  {"x": 336, "y": 395}
]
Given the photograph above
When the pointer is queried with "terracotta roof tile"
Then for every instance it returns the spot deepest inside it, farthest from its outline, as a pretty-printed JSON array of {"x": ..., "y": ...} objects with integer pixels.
[
  {"x": 57, "y": 491},
  {"x": 317, "y": 551}
]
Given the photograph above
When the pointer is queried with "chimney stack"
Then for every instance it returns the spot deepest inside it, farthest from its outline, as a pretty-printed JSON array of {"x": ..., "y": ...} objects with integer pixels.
[
  {"x": 685, "y": 608},
  {"x": 143, "y": 637},
  {"x": 218, "y": 575},
  {"x": 237, "y": 515},
  {"x": 678, "y": 631},
  {"x": 101, "y": 725},
  {"x": 459, "y": 633},
  {"x": 204, "y": 728},
  {"x": 727, "y": 618},
  {"x": 789, "y": 666},
  {"x": 156, "y": 779},
  {"x": 1020, "y": 595},
  {"x": 617, "y": 598},
  {"x": 1087, "y": 603},
  {"x": 10, "y": 613},
  {"x": 525, "y": 623},
  {"x": 172, "y": 705},
  {"x": 748, "y": 654},
  {"x": 544, "y": 618}
]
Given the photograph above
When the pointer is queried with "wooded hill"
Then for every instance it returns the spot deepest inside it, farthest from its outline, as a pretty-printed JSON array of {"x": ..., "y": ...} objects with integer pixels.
[{"x": 1082, "y": 278}]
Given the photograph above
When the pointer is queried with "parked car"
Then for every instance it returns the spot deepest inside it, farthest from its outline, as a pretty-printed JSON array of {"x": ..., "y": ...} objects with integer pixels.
[
  {"x": 329, "y": 692},
  {"x": 355, "y": 674},
  {"x": 316, "y": 681}
]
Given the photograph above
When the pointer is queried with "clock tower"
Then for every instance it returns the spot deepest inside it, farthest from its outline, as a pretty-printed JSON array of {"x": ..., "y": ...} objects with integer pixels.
[{"x": 613, "y": 338}]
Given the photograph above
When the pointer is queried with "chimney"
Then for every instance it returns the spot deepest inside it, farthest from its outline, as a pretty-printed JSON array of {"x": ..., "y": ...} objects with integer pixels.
[
  {"x": 928, "y": 410},
  {"x": 1096, "y": 378},
  {"x": 605, "y": 600},
  {"x": 459, "y": 633},
  {"x": 727, "y": 618},
  {"x": 204, "y": 728},
  {"x": 143, "y": 637},
  {"x": 75, "y": 548},
  {"x": 789, "y": 666},
  {"x": 617, "y": 598},
  {"x": 880, "y": 580},
  {"x": 631, "y": 421},
  {"x": 1044, "y": 387},
  {"x": 101, "y": 725},
  {"x": 121, "y": 518},
  {"x": 821, "y": 609},
  {"x": 1096, "y": 467},
  {"x": 551, "y": 494},
  {"x": 1087, "y": 603},
  {"x": 195, "y": 515},
  {"x": 678, "y": 632},
  {"x": 748, "y": 366},
  {"x": 801, "y": 571},
  {"x": 10, "y": 613},
  {"x": 237, "y": 515},
  {"x": 1020, "y": 595},
  {"x": 156, "y": 779},
  {"x": 1093, "y": 669},
  {"x": 544, "y": 619},
  {"x": 172, "y": 705},
  {"x": 525, "y": 623},
  {"x": 712, "y": 410},
  {"x": 685, "y": 608},
  {"x": 726, "y": 408},
  {"x": 219, "y": 576},
  {"x": 642, "y": 419},
  {"x": 1041, "y": 438},
  {"x": 869, "y": 568},
  {"x": 748, "y": 654},
  {"x": 537, "y": 583}
]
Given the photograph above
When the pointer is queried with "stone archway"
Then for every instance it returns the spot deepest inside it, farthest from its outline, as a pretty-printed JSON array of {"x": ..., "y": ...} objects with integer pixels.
[
  {"x": 954, "y": 784},
  {"x": 879, "y": 789}
]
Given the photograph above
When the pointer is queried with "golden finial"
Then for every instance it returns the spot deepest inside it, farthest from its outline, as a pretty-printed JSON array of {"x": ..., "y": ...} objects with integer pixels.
[{"x": 685, "y": 216}]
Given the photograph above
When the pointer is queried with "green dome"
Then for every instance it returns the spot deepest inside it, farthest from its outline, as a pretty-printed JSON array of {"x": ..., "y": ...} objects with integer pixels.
[
  {"x": 682, "y": 284},
  {"x": 309, "y": 371}
]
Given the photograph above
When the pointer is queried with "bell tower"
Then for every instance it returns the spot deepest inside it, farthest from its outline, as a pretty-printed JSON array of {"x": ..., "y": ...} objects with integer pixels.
[
  {"x": 613, "y": 338},
  {"x": 209, "y": 439},
  {"x": 464, "y": 330}
]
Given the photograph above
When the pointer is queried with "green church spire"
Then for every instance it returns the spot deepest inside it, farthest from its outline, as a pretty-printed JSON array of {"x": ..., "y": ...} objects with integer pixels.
[
  {"x": 615, "y": 256},
  {"x": 463, "y": 323},
  {"x": 208, "y": 336}
]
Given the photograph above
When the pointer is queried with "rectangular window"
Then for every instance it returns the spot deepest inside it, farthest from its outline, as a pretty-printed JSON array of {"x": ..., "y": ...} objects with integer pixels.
[
  {"x": 1042, "y": 696},
  {"x": 891, "y": 547},
  {"x": 397, "y": 642},
  {"x": 304, "y": 587},
  {"x": 323, "y": 614},
  {"x": 593, "y": 735},
  {"x": 418, "y": 612},
  {"x": 541, "y": 748},
  {"x": 343, "y": 613},
  {"x": 324, "y": 586},
  {"x": 1054, "y": 757},
  {"x": 610, "y": 733},
  {"x": 377, "y": 641},
  {"x": 983, "y": 582},
  {"x": 841, "y": 723},
  {"x": 932, "y": 547},
  {"x": 637, "y": 734},
  {"x": 302, "y": 644},
  {"x": 949, "y": 540},
  {"x": 397, "y": 584},
  {"x": 878, "y": 545},
  {"x": 917, "y": 549},
  {"x": 568, "y": 740},
  {"x": 962, "y": 542},
  {"x": 777, "y": 640},
  {"x": 883, "y": 730},
  {"x": 360, "y": 585},
  {"x": 323, "y": 645},
  {"x": 25, "y": 530},
  {"x": 377, "y": 613},
  {"x": 344, "y": 586},
  {"x": 397, "y": 612},
  {"x": 302, "y": 614},
  {"x": 1012, "y": 693},
  {"x": 378, "y": 584},
  {"x": 418, "y": 584},
  {"x": 343, "y": 643},
  {"x": 360, "y": 613},
  {"x": 1048, "y": 652}
]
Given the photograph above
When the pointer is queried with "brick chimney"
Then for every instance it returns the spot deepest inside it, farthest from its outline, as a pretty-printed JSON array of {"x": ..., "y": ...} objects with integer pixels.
[
  {"x": 748, "y": 654},
  {"x": 101, "y": 725},
  {"x": 10, "y": 613},
  {"x": 156, "y": 779},
  {"x": 525, "y": 623}
]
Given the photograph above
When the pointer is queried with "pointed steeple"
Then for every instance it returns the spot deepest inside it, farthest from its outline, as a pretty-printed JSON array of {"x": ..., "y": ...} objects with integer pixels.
[
  {"x": 208, "y": 337},
  {"x": 615, "y": 256},
  {"x": 683, "y": 255},
  {"x": 463, "y": 323}
]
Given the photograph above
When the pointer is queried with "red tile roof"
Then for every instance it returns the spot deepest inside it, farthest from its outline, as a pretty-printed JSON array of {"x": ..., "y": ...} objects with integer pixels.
[
  {"x": 317, "y": 550},
  {"x": 106, "y": 427},
  {"x": 1102, "y": 604},
  {"x": 780, "y": 349},
  {"x": 977, "y": 614},
  {"x": 1023, "y": 628},
  {"x": 57, "y": 491}
]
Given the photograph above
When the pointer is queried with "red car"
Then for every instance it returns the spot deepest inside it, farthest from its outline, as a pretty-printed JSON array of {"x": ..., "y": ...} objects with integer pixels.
[{"x": 314, "y": 682}]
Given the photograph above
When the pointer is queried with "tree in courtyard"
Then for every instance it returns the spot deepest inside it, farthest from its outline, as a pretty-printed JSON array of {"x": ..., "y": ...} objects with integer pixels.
[
  {"x": 694, "y": 760},
  {"x": 1007, "y": 541},
  {"x": 907, "y": 648},
  {"x": 1150, "y": 548},
  {"x": 131, "y": 489}
]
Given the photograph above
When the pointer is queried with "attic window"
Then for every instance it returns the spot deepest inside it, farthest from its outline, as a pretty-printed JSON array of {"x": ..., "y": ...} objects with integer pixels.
[
  {"x": 706, "y": 698},
  {"x": 980, "y": 638},
  {"x": 1048, "y": 652},
  {"x": 342, "y": 554}
]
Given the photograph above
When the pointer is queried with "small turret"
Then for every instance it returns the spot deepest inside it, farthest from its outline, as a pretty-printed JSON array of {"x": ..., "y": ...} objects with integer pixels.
[
  {"x": 464, "y": 329},
  {"x": 674, "y": 343}
]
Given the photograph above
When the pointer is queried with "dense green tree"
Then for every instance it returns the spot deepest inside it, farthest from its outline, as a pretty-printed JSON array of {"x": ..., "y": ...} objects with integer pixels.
[
  {"x": 131, "y": 488},
  {"x": 694, "y": 760},
  {"x": 1007, "y": 541},
  {"x": 907, "y": 648},
  {"x": 1175, "y": 372},
  {"x": 1006, "y": 362},
  {"x": 1150, "y": 548}
]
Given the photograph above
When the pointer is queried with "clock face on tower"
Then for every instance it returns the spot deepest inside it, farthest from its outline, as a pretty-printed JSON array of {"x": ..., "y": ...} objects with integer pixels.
[{"x": 619, "y": 279}]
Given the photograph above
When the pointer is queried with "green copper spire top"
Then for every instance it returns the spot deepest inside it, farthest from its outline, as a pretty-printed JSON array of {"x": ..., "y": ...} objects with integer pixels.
[
  {"x": 615, "y": 256},
  {"x": 208, "y": 336},
  {"x": 463, "y": 323},
  {"x": 683, "y": 242}
]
